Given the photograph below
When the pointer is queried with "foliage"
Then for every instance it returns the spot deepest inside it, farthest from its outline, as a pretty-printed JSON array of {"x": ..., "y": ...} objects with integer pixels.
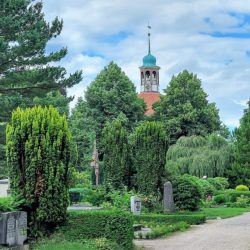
[
  {"x": 220, "y": 199},
  {"x": 149, "y": 150},
  {"x": 38, "y": 156},
  {"x": 191, "y": 219},
  {"x": 110, "y": 94},
  {"x": 83, "y": 127},
  {"x": 187, "y": 193},
  {"x": 7, "y": 204},
  {"x": 243, "y": 139},
  {"x": 219, "y": 183},
  {"x": 116, "y": 152},
  {"x": 79, "y": 179},
  {"x": 234, "y": 194},
  {"x": 241, "y": 201},
  {"x": 184, "y": 109},
  {"x": 151, "y": 203},
  {"x": 27, "y": 71},
  {"x": 113, "y": 225},
  {"x": 242, "y": 188},
  {"x": 200, "y": 156}
]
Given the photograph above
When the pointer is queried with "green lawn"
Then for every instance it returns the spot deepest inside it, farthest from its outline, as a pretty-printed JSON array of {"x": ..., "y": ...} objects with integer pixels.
[
  {"x": 224, "y": 212},
  {"x": 66, "y": 246}
]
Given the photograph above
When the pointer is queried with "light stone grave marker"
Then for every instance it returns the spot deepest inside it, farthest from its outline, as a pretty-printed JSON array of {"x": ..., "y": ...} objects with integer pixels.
[
  {"x": 13, "y": 229},
  {"x": 135, "y": 204},
  {"x": 168, "y": 199}
]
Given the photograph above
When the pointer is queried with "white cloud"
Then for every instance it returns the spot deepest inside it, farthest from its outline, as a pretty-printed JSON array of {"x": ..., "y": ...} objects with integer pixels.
[{"x": 178, "y": 42}]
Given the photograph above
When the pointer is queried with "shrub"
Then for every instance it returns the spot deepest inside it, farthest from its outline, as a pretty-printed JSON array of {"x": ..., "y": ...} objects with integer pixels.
[
  {"x": 187, "y": 193},
  {"x": 38, "y": 157},
  {"x": 220, "y": 199},
  {"x": 114, "y": 225},
  {"x": 219, "y": 183},
  {"x": 234, "y": 194},
  {"x": 242, "y": 188},
  {"x": 241, "y": 201},
  {"x": 171, "y": 218}
]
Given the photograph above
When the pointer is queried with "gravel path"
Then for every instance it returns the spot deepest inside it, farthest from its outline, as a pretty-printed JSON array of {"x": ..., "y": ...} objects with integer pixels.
[{"x": 227, "y": 234}]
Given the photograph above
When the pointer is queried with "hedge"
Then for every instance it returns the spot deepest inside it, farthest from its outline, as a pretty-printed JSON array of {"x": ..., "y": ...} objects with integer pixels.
[
  {"x": 114, "y": 225},
  {"x": 232, "y": 194},
  {"x": 189, "y": 218}
]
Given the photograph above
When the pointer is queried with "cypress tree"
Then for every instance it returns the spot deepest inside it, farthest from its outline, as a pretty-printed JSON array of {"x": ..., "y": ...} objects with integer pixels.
[
  {"x": 150, "y": 145},
  {"x": 116, "y": 154},
  {"x": 38, "y": 156}
]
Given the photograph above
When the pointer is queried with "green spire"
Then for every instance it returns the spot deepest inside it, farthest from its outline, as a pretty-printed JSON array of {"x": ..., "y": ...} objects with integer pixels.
[{"x": 149, "y": 49}]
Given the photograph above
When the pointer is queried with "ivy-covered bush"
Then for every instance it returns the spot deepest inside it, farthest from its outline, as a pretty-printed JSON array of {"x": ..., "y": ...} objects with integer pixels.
[
  {"x": 114, "y": 225},
  {"x": 219, "y": 183},
  {"x": 187, "y": 193},
  {"x": 149, "y": 151},
  {"x": 242, "y": 188},
  {"x": 38, "y": 157}
]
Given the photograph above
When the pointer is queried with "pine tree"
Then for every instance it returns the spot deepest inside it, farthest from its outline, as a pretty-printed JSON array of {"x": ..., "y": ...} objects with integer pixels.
[{"x": 38, "y": 156}]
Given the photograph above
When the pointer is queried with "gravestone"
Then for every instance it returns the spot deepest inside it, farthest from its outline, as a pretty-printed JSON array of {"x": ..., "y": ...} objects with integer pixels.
[
  {"x": 135, "y": 204},
  {"x": 168, "y": 198},
  {"x": 13, "y": 229}
]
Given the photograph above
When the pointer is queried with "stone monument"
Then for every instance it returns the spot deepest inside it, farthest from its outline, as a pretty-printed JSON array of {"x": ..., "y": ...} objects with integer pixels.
[
  {"x": 168, "y": 199},
  {"x": 135, "y": 204},
  {"x": 13, "y": 229}
]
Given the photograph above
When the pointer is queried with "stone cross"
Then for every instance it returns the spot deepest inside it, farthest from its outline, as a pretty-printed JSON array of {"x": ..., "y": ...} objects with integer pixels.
[
  {"x": 168, "y": 199},
  {"x": 135, "y": 204}
]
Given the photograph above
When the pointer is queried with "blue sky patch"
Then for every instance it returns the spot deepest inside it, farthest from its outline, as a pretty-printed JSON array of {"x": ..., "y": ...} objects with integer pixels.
[
  {"x": 248, "y": 53},
  {"x": 93, "y": 53},
  {"x": 115, "y": 38},
  {"x": 218, "y": 34}
]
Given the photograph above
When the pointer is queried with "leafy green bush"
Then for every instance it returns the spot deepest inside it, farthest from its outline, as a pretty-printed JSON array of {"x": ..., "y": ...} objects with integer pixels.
[
  {"x": 151, "y": 203},
  {"x": 220, "y": 199},
  {"x": 219, "y": 183},
  {"x": 241, "y": 201},
  {"x": 233, "y": 194},
  {"x": 7, "y": 204},
  {"x": 187, "y": 193},
  {"x": 171, "y": 218},
  {"x": 114, "y": 225},
  {"x": 242, "y": 188},
  {"x": 38, "y": 157}
]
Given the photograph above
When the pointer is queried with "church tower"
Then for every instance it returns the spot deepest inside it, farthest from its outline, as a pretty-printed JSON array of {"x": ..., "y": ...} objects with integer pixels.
[{"x": 149, "y": 72}]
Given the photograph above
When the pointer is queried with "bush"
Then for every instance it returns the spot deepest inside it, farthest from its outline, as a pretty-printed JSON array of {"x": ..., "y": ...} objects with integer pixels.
[
  {"x": 114, "y": 225},
  {"x": 241, "y": 201},
  {"x": 242, "y": 188},
  {"x": 38, "y": 157},
  {"x": 219, "y": 183},
  {"x": 187, "y": 193},
  {"x": 220, "y": 199},
  {"x": 234, "y": 194},
  {"x": 171, "y": 218}
]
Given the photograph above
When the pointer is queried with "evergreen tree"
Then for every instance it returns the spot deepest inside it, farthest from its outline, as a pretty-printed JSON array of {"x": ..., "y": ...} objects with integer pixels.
[
  {"x": 200, "y": 156},
  {"x": 184, "y": 108},
  {"x": 38, "y": 156},
  {"x": 26, "y": 69},
  {"x": 116, "y": 152},
  {"x": 149, "y": 151}
]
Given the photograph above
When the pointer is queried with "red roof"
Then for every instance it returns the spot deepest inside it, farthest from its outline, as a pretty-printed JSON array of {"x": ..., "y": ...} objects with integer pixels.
[{"x": 149, "y": 98}]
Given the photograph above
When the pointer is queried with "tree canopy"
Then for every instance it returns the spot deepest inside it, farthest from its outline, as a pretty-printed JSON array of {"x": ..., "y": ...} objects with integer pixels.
[
  {"x": 185, "y": 110},
  {"x": 200, "y": 156}
]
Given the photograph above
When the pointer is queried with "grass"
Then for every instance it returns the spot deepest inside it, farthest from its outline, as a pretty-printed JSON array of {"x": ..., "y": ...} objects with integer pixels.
[{"x": 224, "y": 212}]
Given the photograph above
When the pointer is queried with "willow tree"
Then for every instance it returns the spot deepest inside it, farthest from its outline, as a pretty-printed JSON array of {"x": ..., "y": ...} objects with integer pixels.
[
  {"x": 199, "y": 156},
  {"x": 150, "y": 145},
  {"x": 38, "y": 156},
  {"x": 116, "y": 158}
]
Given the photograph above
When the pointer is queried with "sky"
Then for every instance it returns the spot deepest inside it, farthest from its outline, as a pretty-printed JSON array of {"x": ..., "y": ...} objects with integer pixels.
[{"x": 209, "y": 38}]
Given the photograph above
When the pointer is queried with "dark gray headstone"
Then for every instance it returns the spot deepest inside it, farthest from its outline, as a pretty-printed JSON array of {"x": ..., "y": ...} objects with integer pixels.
[{"x": 168, "y": 199}]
